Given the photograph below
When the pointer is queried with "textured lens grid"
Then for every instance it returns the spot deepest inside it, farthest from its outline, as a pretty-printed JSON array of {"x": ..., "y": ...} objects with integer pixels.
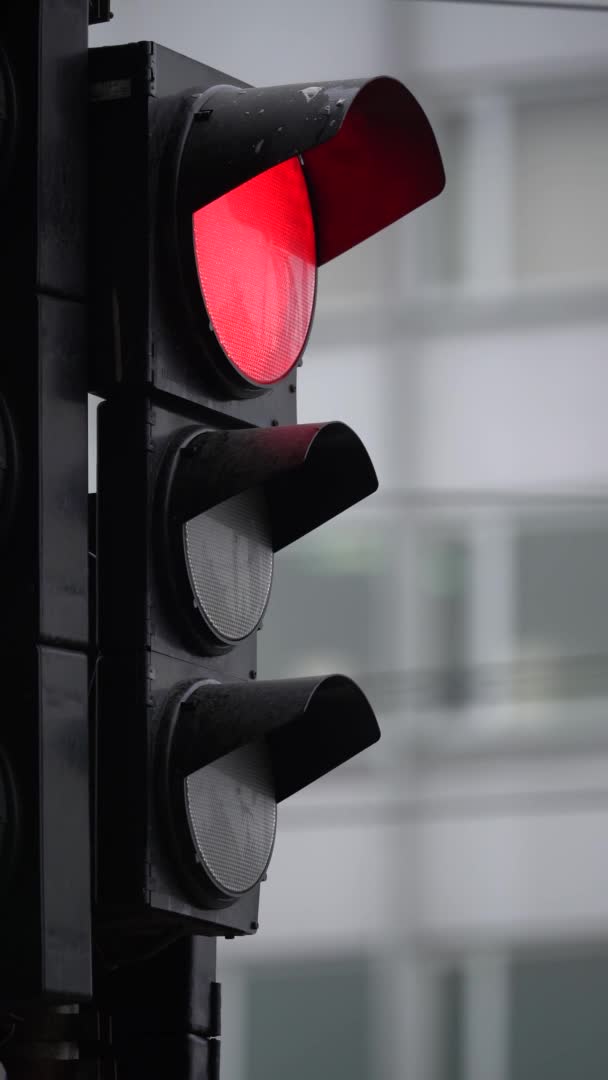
[
  {"x": 229, "y": 560},
  {"x": 256, "y": 262},
  {"x": 232, "y": 816}
]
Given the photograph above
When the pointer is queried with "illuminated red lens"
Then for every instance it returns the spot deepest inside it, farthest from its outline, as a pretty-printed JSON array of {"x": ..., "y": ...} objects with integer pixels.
[{"x": 256, "y": 262}]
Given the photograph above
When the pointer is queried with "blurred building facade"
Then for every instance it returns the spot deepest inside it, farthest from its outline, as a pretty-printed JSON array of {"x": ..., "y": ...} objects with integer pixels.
[{"x": 438, "y": 909}]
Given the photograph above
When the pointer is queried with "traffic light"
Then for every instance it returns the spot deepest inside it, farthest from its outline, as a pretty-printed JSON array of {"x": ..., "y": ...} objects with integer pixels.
[
  {"x": 45, "y": 901},
  {"x": 213, "y": 203}
]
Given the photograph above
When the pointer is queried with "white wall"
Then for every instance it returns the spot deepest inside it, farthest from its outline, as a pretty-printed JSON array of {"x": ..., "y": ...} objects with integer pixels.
[
  {"x": 518, "y": 410},
  {"x": 514, "y": 878},
  {"x": 269, "y": 41},
  {"x": 490, "y": 850},
  {"x": 445, "y": 40}
]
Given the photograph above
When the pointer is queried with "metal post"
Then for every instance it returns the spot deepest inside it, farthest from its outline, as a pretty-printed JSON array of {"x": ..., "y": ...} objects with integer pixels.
[{"x": 163, "y": 1013}]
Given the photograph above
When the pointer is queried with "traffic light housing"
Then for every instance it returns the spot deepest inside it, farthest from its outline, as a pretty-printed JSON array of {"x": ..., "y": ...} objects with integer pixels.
[
  {"x": 212, "y": 205},
  {"x": 45, "y": 900},
  {"x": 170, "y": 138}
]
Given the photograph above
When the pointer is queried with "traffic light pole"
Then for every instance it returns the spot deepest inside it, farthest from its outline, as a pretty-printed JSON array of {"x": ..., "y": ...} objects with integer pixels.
[
  {"x": 45, "y": 879},
  {"x": 156, "y": 1015},
  {"x": 162, "y": 1012},
  {"x": 156, "y": 1012},
  {"x": 48, "y": 1042}
]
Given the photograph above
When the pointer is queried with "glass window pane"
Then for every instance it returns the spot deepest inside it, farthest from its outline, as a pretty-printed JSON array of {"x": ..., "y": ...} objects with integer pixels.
[
  {"x": 445, "y": 612},
  {"x": 451, "y": 1024},
  {"x": 560, "y": 185},
  {"x": 309, "y": 1019},
  {"x": 558, "y": 1016},
  {"x": 441, "y": 225},
  {"x": 561, "y": 604}
]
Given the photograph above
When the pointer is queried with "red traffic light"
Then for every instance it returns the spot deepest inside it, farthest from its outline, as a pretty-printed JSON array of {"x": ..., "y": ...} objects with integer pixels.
[
  {"x": 266, "y": 184},
  {"x": 255, "y": 257},
  {"x": 368, "y": 150}
]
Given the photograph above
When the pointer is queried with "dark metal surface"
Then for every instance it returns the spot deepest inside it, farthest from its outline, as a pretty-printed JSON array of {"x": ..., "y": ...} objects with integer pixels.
[
  {"x": 369, "y": 152},
  {"x": 46, "y": 1042},
  {"x": 145, "y": 654},
  {"x": 143, "y": 308},
  {"x": 166, "y": 994},
  {"x": 8, "y": 118},
  {"x": 9, "y": 471},
  {"x": 311, "y": 726},
  {"x": 142, "y": 890},
  {"x": 63, "y": 449},
  {"x": 179, "y": 1057},
  {"x": 45, "y": 907},
  {"x": 309, "y": 473},
  {"x": 163, "y": 1012},
  {"x": 46, "y": 910},
  {"x": 138, "y": 606},
  {"x": 43, "y": 570},
  {"x": 9, "y": 823},
  {"x": 100, "y": 11}
]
